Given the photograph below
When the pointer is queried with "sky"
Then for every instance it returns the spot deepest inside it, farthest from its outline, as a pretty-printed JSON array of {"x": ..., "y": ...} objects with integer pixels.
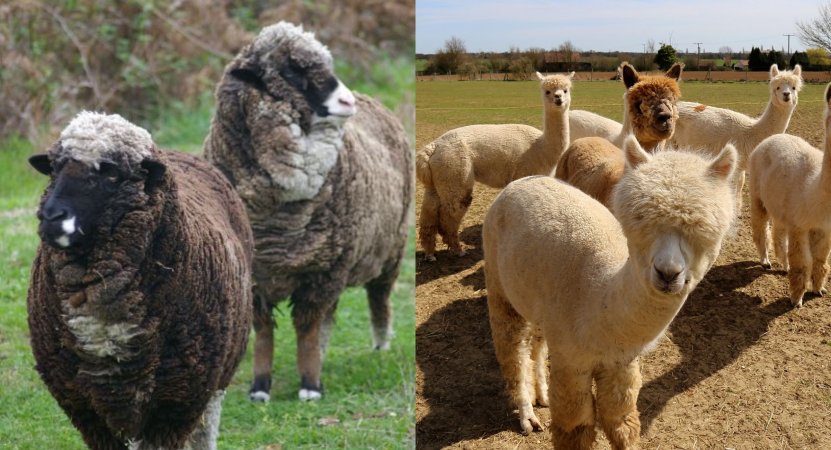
[{"x": 612, "y": 25}]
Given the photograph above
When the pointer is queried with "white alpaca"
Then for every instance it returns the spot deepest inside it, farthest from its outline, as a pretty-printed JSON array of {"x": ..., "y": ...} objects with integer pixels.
[
  {"x": 593, "y": 164},
  {"x": 493, "y": 155},
  {"x": 600, "y": 291},
  {"x": 710, "y": 128},
  {"x": 582, "y": 123},
  {"x": 790, "y": 186}
]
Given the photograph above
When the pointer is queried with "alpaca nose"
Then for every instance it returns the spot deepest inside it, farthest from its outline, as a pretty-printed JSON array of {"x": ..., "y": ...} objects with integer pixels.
[
  {"x": 669, "y": 271},
  {"x": 663, "y": 117},
  {"x": 787, "y": 96}
]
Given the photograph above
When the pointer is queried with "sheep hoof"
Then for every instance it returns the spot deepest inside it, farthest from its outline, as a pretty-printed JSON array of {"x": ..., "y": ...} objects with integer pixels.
[
  {"x": 259, "y": 396},
  {"x": 309, "y": 394}
]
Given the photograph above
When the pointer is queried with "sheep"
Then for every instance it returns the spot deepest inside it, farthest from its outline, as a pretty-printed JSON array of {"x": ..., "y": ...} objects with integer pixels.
[
  {"x": 799, "y": 213},
  {"x": 326, "y": 178},
  {"x": 493, "y": 155},
  {"x": 594, "y": 164},
  {"x": 608, "y": 287},
  {"x": 710, "y": 128},
  {"x": 139, "y": 303}
]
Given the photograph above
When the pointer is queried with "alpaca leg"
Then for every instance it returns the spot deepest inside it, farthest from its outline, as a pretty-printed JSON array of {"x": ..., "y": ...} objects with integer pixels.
[
  {"x": 739, "y": 186},
  {"x": 539, "y": 362},
  {"x": 761, "y": 233},
  {"x": 797, "y": 259},
  {"x": 510, "y": 334},
  {"x": 263, "y": 350},
  {"x": 451, "y": 212},
  {"x": 429, "y": 223},
  {"x": 378, "y": 292},
  {"x": 820, "y": 248},
  {"x": 617, "y": 397},
  {"x": 572, "y": 407},
  {"x": 780, "y": 245}
]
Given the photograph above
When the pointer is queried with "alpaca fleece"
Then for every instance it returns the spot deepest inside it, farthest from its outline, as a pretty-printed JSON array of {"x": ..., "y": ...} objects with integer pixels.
[{"x": 135, "y": 334}]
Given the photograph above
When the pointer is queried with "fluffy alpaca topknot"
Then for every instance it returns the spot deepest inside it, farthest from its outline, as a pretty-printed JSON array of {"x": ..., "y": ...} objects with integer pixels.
[
  {"x": 649, "y": 86},
  {"x": 92, "y": 137},
  {"x": 278, "y": 34}
]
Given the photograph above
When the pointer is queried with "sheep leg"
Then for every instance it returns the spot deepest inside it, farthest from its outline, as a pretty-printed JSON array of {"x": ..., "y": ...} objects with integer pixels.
[
  {"x": 820, "y": 248},
  {"x": 797, "y": 258},
  {"x": 572, "y": 407},
  {"x": 510, "y": 340},
  {"x": 309, "y": 315},
  {"x": 429, "y": 223},
  {"x": 378, "y": 293},
  {"x": 207, "y": 430},
  {"x": 617, "y": 396},
  {"x": 539, "y": 359},
  {"x": 93, "y": 429},
  {"x": 761, "y": 232},
  {"x": 780, "y": 245},
  {"x": 263, "y": 350}
]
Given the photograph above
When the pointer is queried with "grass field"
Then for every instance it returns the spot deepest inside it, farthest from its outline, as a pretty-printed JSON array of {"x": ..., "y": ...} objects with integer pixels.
[{"x": 370, "y": 396}]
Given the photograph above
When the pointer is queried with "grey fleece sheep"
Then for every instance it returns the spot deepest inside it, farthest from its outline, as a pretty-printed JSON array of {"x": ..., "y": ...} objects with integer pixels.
[
  {"x": 327, "y": 179},
  {"x": 139, "y": 303}
]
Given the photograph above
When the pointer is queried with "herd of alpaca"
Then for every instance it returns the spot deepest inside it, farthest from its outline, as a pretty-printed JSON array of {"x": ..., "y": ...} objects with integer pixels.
[{"x": 643, "y": 206}]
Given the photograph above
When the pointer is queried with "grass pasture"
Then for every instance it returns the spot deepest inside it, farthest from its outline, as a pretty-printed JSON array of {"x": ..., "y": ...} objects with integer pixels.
[
  {"x": 370, "y": 396},
  {"x": 739, "y": 368}
]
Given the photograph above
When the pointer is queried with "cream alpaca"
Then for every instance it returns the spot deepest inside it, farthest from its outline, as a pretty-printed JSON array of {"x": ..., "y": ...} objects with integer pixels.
[
  {"x": 711, "y": 128},
  {"x": 790, "y": 185},
  {"x": 582, "y": 123},
  {"x": 593, "y": 164},
  {"x": 601, "y": 291},
  {"x": 493, "y": 155}
]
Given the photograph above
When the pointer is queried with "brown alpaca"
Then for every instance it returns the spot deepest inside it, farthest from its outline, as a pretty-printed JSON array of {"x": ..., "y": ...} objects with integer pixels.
[
  {"x": 493, "y": 155},
  {"x": 595, "y": 165}
]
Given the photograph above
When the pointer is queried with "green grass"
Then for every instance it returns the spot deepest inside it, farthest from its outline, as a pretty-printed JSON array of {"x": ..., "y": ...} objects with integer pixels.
[{"x": 370, "y": 394}]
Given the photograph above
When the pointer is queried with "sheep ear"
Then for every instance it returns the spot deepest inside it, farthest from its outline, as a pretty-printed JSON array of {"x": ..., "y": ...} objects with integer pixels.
[
  {"x": 540, "y": 77},
  {"x": 247, "y": 71},
  {"x": 41, "y": 163},
  {"x": 155, "y": 174},
  {"x": 797, "y": 70},
  {"x": 774, "y": 70},
  {"x": 674, "y": 72},
  {"x": 635, "y": 154},
  {"x": 725, "y": 163},
  {"x": 630, "y": 75}
]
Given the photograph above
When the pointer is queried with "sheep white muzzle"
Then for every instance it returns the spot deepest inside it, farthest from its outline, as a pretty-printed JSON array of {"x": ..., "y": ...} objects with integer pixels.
[{"x": 341, "y": 102}]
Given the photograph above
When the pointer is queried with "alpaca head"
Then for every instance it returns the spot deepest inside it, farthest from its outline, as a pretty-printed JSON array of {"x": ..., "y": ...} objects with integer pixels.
[
  {"x": 675, "y": 208},
  {"x": 651, "y": 103},
  {"x": 556, "y": 91},
  {"x": 785, "y": 85}
]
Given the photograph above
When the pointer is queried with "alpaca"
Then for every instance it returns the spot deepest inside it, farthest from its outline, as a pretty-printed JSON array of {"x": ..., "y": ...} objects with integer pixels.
[
  {"x": 583, "y": 123},
  {"x": 594, "y": 164},
  {"x": 800, "y": 211},
  {"x": 745, "y": 133},
  {"x": 493, "y": 155},
  {"x": 674, "y": 208}
]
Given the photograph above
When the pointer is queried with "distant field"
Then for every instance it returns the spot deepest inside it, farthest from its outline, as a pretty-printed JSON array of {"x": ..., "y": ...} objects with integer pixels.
[{"x": 716, "y": 75}]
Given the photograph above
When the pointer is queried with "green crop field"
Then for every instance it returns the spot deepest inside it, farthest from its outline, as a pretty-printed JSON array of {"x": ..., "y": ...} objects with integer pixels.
[
  {"x": 370, "y": 396},
  {"x": 442, "y": 105}
]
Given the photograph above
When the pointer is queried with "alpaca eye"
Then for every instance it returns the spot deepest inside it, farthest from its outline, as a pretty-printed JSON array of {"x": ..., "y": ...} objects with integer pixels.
[
  {"x": 547, "y": 92},
  {"x": 565, "y": 91}
]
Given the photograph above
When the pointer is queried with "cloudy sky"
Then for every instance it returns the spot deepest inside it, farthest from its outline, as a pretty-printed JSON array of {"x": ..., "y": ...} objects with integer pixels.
[{"x": 607, "y": 25}]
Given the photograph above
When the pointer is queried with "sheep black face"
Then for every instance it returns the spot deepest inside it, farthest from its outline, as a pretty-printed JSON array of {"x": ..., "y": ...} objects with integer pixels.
[{"x": 79, "y": 195}]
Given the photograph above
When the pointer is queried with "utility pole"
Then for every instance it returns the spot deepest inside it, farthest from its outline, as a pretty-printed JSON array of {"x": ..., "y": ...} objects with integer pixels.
[
  {"x": 789, "y": 43},
  {"x": 698, "y": 58}
]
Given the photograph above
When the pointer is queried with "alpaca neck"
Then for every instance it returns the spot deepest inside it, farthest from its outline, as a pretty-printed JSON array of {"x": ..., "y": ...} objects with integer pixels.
[
  {"x": 555, "y": 134},
  {"x": 825, "y": 175},
  {"x": 633, "y": 314},
  {"x": 774, "y": 119}
]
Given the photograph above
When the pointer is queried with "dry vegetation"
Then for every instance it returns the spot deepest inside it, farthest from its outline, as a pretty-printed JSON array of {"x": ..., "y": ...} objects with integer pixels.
[{"x": 739, "y": 368}]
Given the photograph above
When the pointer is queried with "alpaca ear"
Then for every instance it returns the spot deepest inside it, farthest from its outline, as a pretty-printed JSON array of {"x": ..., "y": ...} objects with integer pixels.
[
  {"x": 635, "y": 154},
  {"x": 540, "y": 77},
  {"x": 674, "y": 72},
  {"x": 774, "y": 70},
  {"x": 571, "y": 75},
  {"x": 41, "y": 163},
  {"x": 725, "y": 163},
  {"x": 797, "y": 70},
  {"x": 630, "y": 75},
  {"x": 827, "y": 99}
]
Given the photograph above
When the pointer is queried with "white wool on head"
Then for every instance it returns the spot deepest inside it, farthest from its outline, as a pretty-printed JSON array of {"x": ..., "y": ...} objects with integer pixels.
[
  {"x": 282, "y": 33},
  {"x": 93, "y": 137}
]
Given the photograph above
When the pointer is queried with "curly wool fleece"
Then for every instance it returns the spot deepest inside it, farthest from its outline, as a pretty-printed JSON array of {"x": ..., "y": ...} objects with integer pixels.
[
  {"x": 92, "y": 138},
  {"x": 274, "y": 36}
]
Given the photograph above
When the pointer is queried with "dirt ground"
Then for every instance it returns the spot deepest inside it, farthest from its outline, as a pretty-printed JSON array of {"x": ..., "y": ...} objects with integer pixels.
[{"x": 738, "y": 368}]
